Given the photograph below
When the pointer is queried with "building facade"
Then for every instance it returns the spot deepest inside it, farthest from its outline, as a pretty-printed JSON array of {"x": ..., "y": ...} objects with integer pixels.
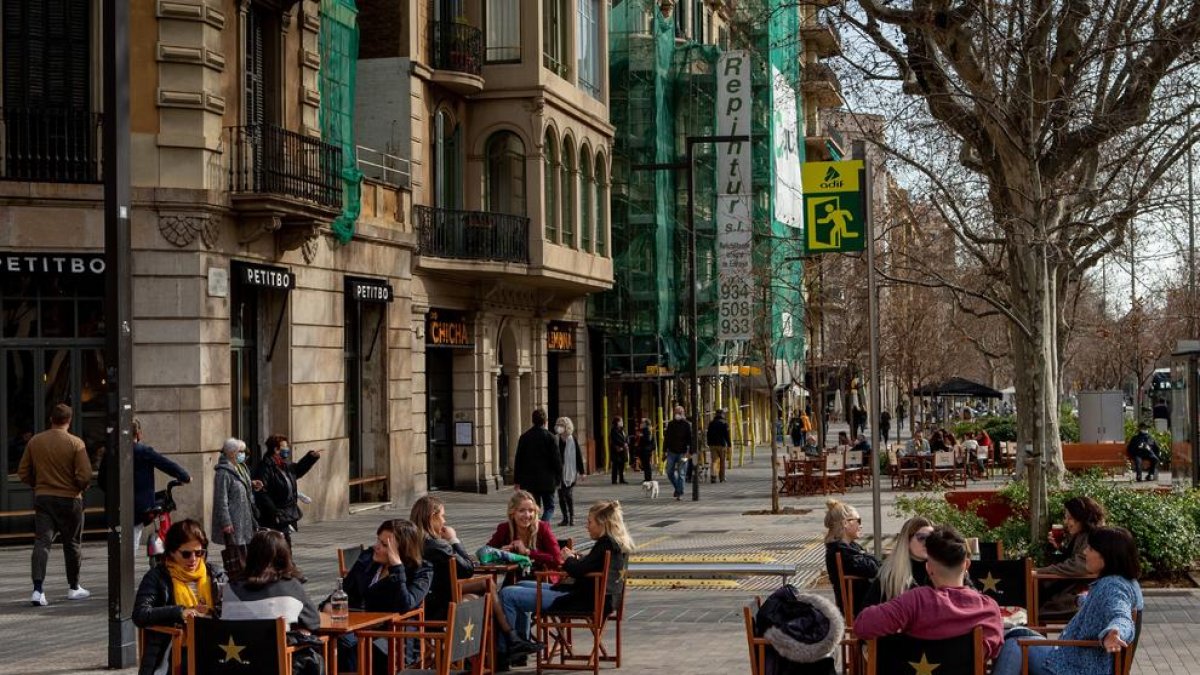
[{"x": 296, "y": 270}]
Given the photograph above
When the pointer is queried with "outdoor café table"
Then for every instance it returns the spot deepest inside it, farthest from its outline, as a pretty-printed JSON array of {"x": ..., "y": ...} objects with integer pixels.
[
  {"x": 500, "y": 572},
  {"x": 355, "y": 622}
]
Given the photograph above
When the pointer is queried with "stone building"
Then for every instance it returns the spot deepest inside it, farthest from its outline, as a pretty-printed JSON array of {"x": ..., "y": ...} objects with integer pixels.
[{"x": 301, "y": 267}]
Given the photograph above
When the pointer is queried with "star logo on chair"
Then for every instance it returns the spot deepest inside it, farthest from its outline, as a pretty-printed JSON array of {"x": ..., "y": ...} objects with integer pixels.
[
  {"x": 924, "y": 667},
  {"x": 468, "y": 632},
  {"x": 990, "y": 584},
  {"x": 232, "y": 651}
]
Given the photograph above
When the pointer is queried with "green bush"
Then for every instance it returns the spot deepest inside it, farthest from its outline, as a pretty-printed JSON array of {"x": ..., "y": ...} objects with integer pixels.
[
  {"x": 1068, "y": 427},
  {"x": 935, "y": 507}
]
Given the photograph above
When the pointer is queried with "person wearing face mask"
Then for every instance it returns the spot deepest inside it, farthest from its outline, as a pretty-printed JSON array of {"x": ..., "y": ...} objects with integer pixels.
[
  {"x": 233, "y": 516},
  {"x": 572, "y": 468},
  {"x": 618, "y": 442},
  {"x": 678, "y": 442},
  {"x": 645, "y": 449},
  {"x": 277, "y": 501}
]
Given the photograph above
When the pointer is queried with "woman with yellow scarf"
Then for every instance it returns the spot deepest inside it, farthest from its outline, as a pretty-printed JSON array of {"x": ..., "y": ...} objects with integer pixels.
[{"x": 183, "y": 584}]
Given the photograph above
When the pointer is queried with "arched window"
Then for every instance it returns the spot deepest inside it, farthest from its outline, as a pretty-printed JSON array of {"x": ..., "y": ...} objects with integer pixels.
[
  {"x": 586, "y": 198},
  {"x": 601, "y": 207},
  {"x": 570, "y": 208},
  {"x": 447, "y": 165},
  {"x": 505, "y": 187},
  {"x": 550, "y": 213}
]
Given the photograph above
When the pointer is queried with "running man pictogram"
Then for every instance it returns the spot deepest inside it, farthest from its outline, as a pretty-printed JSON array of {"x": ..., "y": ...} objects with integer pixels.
[{"x": 838, "y": 220}]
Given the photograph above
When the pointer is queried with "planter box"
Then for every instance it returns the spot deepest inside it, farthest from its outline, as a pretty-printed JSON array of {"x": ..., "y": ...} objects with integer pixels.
[{"x": 993, "y": 509}]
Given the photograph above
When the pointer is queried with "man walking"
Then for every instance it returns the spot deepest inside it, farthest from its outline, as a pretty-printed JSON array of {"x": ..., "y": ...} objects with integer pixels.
[
  {"x": 1141, "y": 447},
  {"x": 719, "y": 446},
  {"x": 885, "y": 427},
  {"x": 678, "y": 441},
  {"x": 56, "y": 466},
  {"x": 537, "y": 467}
]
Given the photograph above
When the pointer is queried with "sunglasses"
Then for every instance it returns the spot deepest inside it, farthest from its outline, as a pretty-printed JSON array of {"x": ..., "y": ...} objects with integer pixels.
[
  {"x": 854, "y": 520},
  {"x": 189, "y": 554}
]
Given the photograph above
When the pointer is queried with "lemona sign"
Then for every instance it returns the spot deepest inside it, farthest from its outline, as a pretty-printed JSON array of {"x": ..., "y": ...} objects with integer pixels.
[{"x": 833, "y": 207}]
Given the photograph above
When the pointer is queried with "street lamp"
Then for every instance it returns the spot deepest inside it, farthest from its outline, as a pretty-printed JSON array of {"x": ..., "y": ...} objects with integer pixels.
[{"x": 690, "y": 143}]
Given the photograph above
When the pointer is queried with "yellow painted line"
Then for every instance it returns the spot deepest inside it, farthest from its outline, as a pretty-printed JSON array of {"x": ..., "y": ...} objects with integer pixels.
[
  {"x": 712, "y": 584},
  {"x": 702, "y": 558},
  {"x": 646, "y": 544}
]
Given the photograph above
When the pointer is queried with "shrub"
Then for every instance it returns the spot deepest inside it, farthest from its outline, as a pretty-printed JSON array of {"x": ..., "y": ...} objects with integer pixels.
[
  {"x": 1068, "y": 427},
  {"x": 935, "y": 507}
]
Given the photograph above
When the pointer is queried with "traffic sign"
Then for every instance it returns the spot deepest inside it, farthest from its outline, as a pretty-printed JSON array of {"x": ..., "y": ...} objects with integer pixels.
[{"x": 833, "y": 207}]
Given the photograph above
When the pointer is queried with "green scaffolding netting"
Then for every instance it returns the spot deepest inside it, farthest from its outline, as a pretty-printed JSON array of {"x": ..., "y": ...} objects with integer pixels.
[
  {"x": 662, "y": 91},
  {"x": 339, "y": 59}
]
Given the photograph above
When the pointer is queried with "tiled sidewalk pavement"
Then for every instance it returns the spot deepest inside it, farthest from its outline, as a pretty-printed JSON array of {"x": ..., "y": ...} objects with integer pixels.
[{"x": 666, "y": 631}]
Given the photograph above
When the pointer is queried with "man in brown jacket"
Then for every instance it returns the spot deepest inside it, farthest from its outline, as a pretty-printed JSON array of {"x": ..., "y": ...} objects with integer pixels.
[{"x": 56, "y": 466}]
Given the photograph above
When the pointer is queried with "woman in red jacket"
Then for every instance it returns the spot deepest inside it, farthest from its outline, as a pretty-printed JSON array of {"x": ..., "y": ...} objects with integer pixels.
[{"x": 523, "y": 533}]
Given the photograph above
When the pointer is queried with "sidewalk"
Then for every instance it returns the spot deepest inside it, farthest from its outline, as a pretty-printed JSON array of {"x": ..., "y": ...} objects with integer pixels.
[{"x": 690, "y": 631}]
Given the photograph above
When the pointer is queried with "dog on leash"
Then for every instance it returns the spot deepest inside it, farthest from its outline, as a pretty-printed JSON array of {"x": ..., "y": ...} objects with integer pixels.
[{"x": 650, "y": 487}]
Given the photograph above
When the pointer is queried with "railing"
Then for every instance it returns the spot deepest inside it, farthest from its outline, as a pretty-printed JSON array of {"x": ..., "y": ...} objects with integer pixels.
[
  {"x": 455, "y": 46},
  {"x": 472, "y": 235},
  {"x": 269, "y": 160},
  {"x": 383, "y": 167},
  {"x": 52, "y": 145}
]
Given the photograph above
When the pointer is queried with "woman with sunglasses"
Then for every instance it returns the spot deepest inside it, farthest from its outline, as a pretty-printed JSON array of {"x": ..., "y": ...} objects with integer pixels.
[
  {"x": 905, "y": 567},
  {"x": 183, "y": 584},
  {"x": 843, "y": 525}
]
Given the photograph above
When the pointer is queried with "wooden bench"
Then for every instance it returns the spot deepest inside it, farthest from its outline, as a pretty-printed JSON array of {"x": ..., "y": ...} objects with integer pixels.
[{"x": 1108, "y": 457}]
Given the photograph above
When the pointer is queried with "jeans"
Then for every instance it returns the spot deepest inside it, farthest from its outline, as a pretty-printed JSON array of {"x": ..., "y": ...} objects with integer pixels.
[
  {"x": 545, "y": 500},
  {"x": 518, "y": 601},
  {"x": 1009, "y": 660},
  {"x": 673, "y": 473},
  {"x": 52, "y": 516}
]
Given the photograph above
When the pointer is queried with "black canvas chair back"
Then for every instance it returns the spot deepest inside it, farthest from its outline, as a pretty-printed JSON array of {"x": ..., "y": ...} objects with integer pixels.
[
  {"x": 1002, "y": 580},
  {"x": 991, "y": 550},
  {"x": 347, "y": 557},
  {"x": 905, "y": 655},
  {"x": 467, "y": 626},
  {"x": 219, "y": 647}
]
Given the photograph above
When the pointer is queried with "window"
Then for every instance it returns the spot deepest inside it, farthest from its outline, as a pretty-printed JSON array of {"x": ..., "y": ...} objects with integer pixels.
[
  {"x": 505, "y": 189},
  {"x": 502, "y": 19},
  {"x": 586, "y": 192},
  {"x": 554, "y": 33},
  {"x": 601, "y": 207},
  {"x": 261, "y": 69},
  {"x": 569, "y": 211},
  {"x": 447, "y": 165},
  {"x": 551, "y": 210},
  {"x": 587, "y": 40}
]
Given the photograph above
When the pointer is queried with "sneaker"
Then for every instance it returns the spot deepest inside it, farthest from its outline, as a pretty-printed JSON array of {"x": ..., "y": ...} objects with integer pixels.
[
  {"x": 80, "y": 593},
  {"x": 38, "y": 599}
]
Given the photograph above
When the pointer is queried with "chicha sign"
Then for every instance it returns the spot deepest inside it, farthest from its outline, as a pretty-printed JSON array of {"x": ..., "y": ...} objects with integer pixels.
[{"x": 447, "y": 328}]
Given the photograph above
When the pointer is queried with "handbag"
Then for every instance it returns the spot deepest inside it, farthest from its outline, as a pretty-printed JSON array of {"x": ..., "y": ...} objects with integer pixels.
[{"x": 233, "y": 559}]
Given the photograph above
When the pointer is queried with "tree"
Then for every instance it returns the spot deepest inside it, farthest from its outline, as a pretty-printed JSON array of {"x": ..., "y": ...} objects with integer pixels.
[{"x": 1066, "y": 116}]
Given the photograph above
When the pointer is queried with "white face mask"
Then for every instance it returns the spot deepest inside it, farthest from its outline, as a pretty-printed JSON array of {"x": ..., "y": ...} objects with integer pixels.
[
  {"x": 559, "y": 430},
  {"x": 678, "y": 416}
]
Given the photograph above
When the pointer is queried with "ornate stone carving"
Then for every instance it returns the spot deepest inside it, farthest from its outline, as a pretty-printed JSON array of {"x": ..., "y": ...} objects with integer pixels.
[
  {"x": 309, "y": 249},
  {"x": 256, "y": 226},
  {"x": 183, "y": 230}
]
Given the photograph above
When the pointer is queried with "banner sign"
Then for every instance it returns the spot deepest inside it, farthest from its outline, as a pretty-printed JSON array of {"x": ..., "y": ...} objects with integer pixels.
[
  {"x": 560, "y": 337},
  {"x": 734, "y": 196},
  {"x": 448, "y": 328},
  {"x": 52, "y": 263},
  {"x": 833, "y": 207},
  {"x": 263, "y": 276},
  {"x": 789, "y": 189},
  {"x": 368, "y": 290}
]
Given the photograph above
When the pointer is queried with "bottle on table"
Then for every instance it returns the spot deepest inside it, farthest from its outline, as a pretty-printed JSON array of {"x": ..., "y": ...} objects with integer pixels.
[{"x": 339, "y": 603}]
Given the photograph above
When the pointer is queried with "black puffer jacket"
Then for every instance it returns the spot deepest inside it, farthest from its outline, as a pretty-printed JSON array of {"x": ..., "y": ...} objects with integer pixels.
[
  {"x": 277, "y": 507},
  {"x": 438, "y": 553},
  {"x": 803, "y": 629},
  {"x": 154, "y": 605}
]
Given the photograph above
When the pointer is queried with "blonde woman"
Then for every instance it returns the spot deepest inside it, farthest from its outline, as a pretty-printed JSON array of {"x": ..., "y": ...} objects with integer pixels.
[
  {"x": 606, "y": 526},
  {"x": 905, "y": 567},
  {"x": 843, "y": 525},
  {"x": 526, "y": 534},
  {"x": 572, "y": 468},
  {"x": 440, "y": 548}
]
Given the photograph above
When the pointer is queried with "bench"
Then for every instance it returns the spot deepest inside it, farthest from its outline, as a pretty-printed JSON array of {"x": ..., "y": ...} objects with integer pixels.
[
  {"x": 1108, "y": 457},
  {"x": 651, "y": 570}
]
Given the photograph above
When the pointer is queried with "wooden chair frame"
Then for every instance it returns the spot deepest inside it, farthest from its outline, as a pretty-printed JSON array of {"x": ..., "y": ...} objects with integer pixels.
[
  {"x": 1122, "y": 658},
  {"x": 871, "y": 667},
  {"x": 554, "y": 630},
  {"x": 758, "y": 646},
  {"x": 426, "y": 633},
  {"x": 178, "y": 642},
  {"x": 851, "y": 647},
  {"x": 468, "y": 586},
  {"x": 285, "y": 651},
  {"x": 615, "y": 617},
  {"x": 343, "y": 568},
  {"x": 901, "y": 474},
  {"x": 1033, "y": 592},
  {"x": 832, "y": 476}
]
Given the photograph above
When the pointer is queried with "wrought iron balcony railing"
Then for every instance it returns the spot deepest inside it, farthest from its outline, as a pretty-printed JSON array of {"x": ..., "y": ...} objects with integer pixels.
[
  {"x": 472, "y": 235},
  {"x": 269, "y": 160},
  {"x": 455, "y": 46},
  {"x": 52, "y": 145}
]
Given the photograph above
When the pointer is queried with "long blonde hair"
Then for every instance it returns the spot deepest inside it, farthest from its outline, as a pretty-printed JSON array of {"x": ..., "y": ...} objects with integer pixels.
[
  {"x": 896, "y": 575},
  {"x": 608, "y": 515},
  {"x": 529, "y": 535},
  {"x": 836, "y": 515},
  {"x": 422, "y": 513}
]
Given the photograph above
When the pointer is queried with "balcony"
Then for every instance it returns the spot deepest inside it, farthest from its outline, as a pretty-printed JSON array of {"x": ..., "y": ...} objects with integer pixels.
[
  {"x": 821, "y": 85},
  {"x": 456, "y": 56},
  {"x": 282, "y": 182},
  {"x": 821, "y": 38},
  {"x": 471, "y": 235},
  {"x": 51, "y": 145}
]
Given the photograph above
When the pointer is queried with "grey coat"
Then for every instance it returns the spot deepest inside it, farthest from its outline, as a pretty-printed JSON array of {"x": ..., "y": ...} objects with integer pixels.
[{"x": 232, "y": 504}]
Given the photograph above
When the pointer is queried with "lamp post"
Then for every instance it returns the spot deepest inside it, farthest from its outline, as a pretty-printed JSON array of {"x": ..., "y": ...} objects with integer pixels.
[{"x": 693, "y": 319}]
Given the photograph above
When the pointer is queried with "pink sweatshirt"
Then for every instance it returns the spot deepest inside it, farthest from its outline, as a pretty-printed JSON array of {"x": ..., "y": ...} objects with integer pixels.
[{"x": 934, "y": 614}]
